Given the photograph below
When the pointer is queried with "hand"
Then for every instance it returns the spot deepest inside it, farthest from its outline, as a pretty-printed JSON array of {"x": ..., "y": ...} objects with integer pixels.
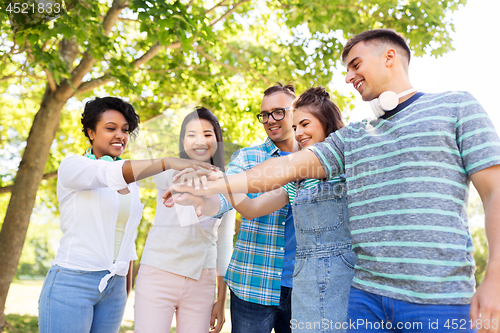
[
  {"x": 186, "y": 199},
  {"x": 182, "y": 163},
  {"x": 178, "y": 188},
  {"x": 218, "y": 317},
  {"x": 485, "y": 306},
  {"x": 192, "y": 177}
]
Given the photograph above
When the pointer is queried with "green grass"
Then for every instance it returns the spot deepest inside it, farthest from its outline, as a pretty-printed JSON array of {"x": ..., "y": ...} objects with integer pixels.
[
  {"x": 17, "y": 324},
  {"x": 22, "y": 309},
  {"x": 29, "y": 324},
  {"x": 23, "y": 298}
]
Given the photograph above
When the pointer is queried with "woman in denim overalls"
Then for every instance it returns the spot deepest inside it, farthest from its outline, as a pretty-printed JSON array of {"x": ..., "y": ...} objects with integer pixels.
[
  {"x": 324, "y": 261},
  {"x": 324, "y": 265}
]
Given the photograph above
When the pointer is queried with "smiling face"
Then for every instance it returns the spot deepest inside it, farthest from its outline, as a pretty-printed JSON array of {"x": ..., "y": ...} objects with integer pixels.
[
  {"x": 110, "y": 136},
  {"x": 367, "y": 69},
  {"x": 308, "y": 129},
  {"x": 281, "y": 130},
  {"x": 200, "y": 142}
]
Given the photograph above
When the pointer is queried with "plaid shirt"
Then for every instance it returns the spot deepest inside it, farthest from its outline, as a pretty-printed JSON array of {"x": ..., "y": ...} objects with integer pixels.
[{"x": 254, "y": 273}]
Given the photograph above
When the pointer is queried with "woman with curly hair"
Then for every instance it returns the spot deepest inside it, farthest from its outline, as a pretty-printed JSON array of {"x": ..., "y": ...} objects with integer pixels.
[{"x": 86, "y": 288}]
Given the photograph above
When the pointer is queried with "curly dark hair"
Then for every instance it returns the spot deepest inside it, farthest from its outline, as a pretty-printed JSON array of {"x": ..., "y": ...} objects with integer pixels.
[
  {"x": 203, "y": 113},
  {"x": 327, "y": 112},
  {"x": 94, "y": 109}
]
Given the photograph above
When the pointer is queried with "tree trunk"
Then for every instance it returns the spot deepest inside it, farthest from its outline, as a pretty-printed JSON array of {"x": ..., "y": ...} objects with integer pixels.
[{"x": 29, "y": 176}]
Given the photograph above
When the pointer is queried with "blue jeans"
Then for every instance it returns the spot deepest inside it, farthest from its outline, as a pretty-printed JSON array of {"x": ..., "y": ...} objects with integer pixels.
[
  {"x": 71, "y": 302},
  {"x": 248, "y": 317},
  {"x": 373, "y": 313},
  {"x": 324, "y": 261}
]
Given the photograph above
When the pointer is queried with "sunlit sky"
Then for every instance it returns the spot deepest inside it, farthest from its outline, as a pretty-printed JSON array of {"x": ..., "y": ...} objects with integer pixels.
[{"x": 474, "y": 66}]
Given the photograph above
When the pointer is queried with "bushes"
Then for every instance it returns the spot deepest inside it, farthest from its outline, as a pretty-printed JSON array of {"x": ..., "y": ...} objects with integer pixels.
[
  {"x": 480, "y": 253},
  {"x": 39, "y": 249}
]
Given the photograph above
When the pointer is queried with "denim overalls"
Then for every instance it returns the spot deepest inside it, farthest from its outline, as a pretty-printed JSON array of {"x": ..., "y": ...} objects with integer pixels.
[{"x": 324, "y": 262}]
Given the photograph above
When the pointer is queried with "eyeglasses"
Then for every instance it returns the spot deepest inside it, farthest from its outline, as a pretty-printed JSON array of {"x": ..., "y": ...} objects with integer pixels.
[{"x": 277, "y": 114}]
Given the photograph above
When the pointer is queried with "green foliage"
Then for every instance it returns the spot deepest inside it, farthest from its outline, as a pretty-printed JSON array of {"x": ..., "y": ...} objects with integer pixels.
[
  {"x": 38, "y": 250},
  {"x": 21, "y": 323},
  {"x": 4, "y": 201},
  {"x": 222, "y": 64},
  {"x": 221, "y": 57},
  {"x": 29, "y": 324},
  {"x": 475, "y": 215},
  {"x": 480, "y": 253}
]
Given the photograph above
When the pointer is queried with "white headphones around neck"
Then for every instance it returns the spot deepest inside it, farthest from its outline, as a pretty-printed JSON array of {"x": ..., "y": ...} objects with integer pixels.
[{"x": 387, "y": 101}]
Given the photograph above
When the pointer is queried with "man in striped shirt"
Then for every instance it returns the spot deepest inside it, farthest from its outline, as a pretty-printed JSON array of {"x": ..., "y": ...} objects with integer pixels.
[{"x": 407, "y": 175}]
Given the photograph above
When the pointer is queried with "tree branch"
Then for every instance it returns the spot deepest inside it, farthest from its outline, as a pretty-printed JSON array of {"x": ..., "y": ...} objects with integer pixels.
[
  {"x": 230, "y": 67},
  {"x": 242, "y": 61},
  {"x": 201, "y": 73},
  {"x": 88, "y": 60},
  {"x": 172, "y": 70},
  {"x": 216, "y": 6},
  {"x": 7, "y": 77},
  {"x": 44, "y": 46},
  {"x": 94, "y": 83},
  {"x": 123, "y": 19},
  {"x": 68, "y": 48},
  {"x": 212, "y": 59},
  {"x": 229, "y": 12},
  {"x": 112, "y": 15},
  {"x": 150, "y": 54},
  {"x": 8, "y": 189},
  {"x": 26, "y": 74},
  {"x": 167, "y": 71},
  {"x": 50, "y": 80}
]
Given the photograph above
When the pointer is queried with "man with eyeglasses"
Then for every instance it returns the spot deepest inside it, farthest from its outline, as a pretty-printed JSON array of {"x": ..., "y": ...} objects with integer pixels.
[{"x": 259, "y": 275}]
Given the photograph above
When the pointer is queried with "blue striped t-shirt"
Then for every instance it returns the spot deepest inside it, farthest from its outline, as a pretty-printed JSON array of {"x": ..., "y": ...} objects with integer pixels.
[{"x": 407, "y": 181}]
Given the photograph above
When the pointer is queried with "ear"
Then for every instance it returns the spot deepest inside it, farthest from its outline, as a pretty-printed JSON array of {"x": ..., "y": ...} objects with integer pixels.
[
  {"x": 390, "y": 57},
  {"x": 91, "y": 134}
]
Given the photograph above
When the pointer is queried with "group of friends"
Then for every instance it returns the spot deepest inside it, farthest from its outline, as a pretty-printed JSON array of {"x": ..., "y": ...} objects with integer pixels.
[{"x": 358, "y": 228}]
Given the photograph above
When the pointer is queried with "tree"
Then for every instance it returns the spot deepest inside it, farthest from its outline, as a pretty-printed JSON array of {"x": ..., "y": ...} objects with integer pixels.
[{"x": 166, "y": 54}]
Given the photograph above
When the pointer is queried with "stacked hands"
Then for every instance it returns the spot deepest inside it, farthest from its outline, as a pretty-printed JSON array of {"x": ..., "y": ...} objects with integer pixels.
[{"x": 191, "y": 187}]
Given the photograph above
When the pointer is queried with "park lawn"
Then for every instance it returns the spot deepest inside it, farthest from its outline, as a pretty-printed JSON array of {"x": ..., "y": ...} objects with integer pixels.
[{"x": 22, "y": 309}]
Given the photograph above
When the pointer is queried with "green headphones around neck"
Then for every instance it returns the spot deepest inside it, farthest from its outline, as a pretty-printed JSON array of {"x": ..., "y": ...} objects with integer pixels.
[{"x": 90, "y": 154}]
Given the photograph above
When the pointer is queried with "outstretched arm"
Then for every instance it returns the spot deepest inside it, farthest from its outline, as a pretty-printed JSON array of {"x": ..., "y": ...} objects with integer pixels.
[
  {"x": 264, "y": 177},
  {"x": 140, "y": 169},
  {"x": 485, "y": 305},
  {"x": 264, "y": 204}
]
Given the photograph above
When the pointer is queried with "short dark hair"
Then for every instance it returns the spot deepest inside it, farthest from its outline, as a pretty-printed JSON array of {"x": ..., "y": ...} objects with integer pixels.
[
  {"x": 94, "y": 109},
  {"x": 327, "y": 112},
  {"x": 279, "y": 87},
  {"x": 203, "y": 113},
  {"x": 383, "y": 35}
]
